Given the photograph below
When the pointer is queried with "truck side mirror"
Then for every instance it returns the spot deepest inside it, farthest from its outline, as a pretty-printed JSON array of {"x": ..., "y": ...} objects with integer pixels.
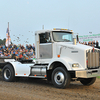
[
  {"x": 47, "y": 35},
  {"x": 77, "y": 38}
]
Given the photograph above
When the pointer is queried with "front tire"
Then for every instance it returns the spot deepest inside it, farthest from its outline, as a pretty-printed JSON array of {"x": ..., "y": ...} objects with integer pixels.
[
  {"x": 8, "y": 73},
  {"x": 60, "y": 78},
  {"x": 88, "y": 81}
]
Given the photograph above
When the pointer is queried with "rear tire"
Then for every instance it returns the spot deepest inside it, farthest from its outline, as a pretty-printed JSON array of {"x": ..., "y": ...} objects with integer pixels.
[
  {"x": 88, "y": 81},
  {"x": 60, "y": 78},
  {"x": 8, "y": 73}
]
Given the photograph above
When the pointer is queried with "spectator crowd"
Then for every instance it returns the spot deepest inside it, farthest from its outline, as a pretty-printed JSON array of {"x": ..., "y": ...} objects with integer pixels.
[
  {"x": 91, "y": 43},
  {"x": 21, "y": 52},
  {"x": 18, "y": 52}
]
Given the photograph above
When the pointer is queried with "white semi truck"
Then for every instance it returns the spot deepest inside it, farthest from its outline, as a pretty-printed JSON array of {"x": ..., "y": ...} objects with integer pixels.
[{"x": 59, "y": 59}]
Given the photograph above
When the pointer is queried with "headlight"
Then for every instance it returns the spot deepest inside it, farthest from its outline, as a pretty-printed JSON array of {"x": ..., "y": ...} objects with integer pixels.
[{"x": 75, "y": 65}]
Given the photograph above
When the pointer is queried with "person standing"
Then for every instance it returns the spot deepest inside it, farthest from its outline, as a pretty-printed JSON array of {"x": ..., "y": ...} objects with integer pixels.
[{"x": 97, "y": 44}]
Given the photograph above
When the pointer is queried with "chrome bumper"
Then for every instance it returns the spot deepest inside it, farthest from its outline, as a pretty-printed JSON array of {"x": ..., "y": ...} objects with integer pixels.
[{"x": 87, "y": 73}]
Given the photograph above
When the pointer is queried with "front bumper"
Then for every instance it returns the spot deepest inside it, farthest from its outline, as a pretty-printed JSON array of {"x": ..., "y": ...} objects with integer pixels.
[{"x": 87, "y": 73}]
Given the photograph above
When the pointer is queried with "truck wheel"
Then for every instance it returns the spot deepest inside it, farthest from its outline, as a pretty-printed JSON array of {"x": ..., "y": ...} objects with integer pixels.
[
  {"x": 60, "y": 78},
  {"x": 8, "y": 73},
  {"x": 88, "y": 81}
]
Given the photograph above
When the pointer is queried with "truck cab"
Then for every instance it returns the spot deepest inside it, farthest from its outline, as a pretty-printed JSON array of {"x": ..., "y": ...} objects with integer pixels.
[
  {"x": 47, "y": 43},
  {"x": 59, "y": 58}
]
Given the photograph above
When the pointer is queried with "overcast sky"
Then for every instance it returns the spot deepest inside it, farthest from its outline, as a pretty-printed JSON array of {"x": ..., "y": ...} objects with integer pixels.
[{"x": 27, "y": 16}]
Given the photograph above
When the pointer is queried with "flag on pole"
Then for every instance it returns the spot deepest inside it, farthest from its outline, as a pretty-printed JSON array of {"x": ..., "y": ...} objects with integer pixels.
[{"x": 8, "y": 39}]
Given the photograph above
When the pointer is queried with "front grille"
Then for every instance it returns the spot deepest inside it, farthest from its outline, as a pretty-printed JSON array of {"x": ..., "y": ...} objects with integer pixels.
[{"x": 93, "y": 59}]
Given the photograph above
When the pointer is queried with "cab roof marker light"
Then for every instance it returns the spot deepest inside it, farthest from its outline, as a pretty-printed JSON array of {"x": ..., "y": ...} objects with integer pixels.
[
  {"x": 59, "y": 29},
  {"x": 54, "y": 29}
]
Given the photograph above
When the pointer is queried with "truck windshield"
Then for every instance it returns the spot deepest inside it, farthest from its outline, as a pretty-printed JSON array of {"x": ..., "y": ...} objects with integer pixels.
[{"x": 62, "y": 36}]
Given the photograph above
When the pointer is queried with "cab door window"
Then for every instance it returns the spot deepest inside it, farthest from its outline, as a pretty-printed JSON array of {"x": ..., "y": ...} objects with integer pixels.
[{"x": 45, "y": 38}]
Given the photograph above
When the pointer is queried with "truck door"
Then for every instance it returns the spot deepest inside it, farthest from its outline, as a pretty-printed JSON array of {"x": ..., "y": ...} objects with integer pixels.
[{"x": 45, "y": 46}]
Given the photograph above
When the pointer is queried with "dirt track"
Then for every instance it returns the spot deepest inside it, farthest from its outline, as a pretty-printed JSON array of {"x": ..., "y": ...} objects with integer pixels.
[{"x": 38, "y": 89}]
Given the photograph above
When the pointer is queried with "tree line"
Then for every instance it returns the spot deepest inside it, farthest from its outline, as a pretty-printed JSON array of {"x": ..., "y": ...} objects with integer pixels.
[{"x": 2, "y": 41}]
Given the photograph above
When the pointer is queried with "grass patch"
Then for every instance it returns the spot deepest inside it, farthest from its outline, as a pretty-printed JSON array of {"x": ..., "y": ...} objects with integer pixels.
[
  {"x": 0, "y": 69},
  {"x": 98, "y": 76}
]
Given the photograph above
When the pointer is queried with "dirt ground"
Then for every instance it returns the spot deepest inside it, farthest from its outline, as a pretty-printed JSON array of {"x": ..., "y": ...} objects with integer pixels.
[{"x": 39, "y": 89}]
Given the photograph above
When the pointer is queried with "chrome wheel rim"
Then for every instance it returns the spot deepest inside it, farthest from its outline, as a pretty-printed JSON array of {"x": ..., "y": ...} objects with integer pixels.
[
  {"x": 59, "y": 78},
  {"x": 7, "y": 74}
]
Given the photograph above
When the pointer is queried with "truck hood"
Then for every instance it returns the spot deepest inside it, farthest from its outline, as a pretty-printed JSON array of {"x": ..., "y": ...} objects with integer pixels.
[
  {"x": 78, "y": 46},
  {"x": 77, "y": 53}
]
